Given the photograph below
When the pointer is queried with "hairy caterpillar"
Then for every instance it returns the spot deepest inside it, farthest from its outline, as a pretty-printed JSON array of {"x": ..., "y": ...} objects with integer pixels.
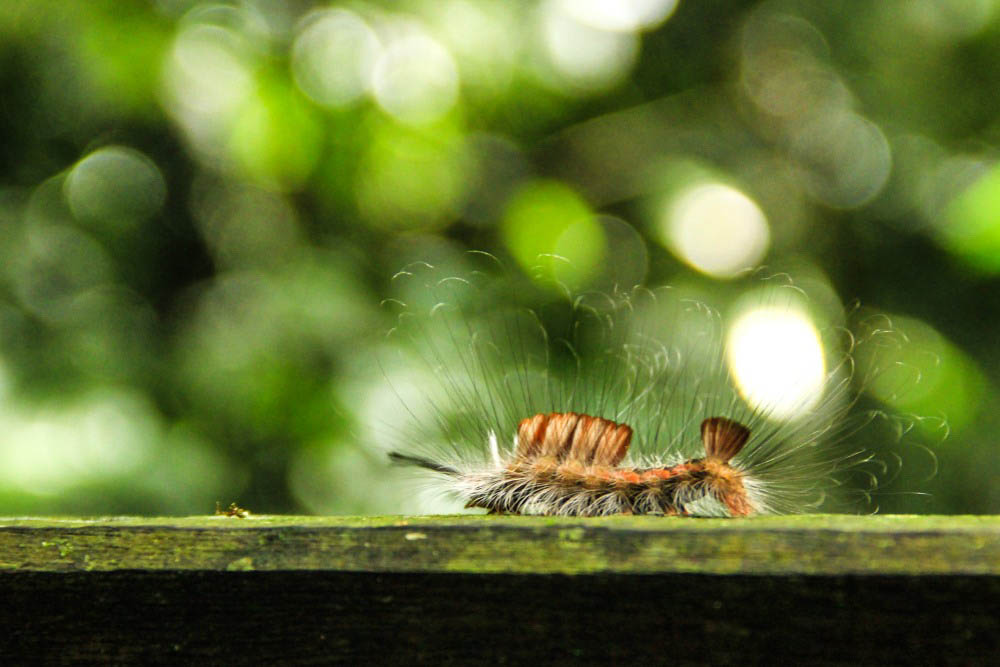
[
  {"x": 566, "y": 463},
  {"x": 622, "y": 402}
]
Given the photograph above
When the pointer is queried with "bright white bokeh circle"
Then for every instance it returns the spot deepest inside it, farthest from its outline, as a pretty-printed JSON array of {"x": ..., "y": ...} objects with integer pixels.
[
  {"x": 416, "y": 79},
  {"x": 716, "y": 229},
  {"x": 333, "y": 57},
  {"x": 620, "y": 15},
  {"x": 776, "y": 358}
]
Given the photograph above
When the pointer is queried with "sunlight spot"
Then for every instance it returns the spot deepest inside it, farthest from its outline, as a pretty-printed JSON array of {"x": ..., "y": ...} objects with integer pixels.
[
  {"x": 620, "y": 15},
  {"x": 716, "y": 229},
  {"x": 583, "y": 56},
  {"x": 416, "y": 80},
  {"x": 776, "y": 358},
  {"x": 334, "y": 56}
]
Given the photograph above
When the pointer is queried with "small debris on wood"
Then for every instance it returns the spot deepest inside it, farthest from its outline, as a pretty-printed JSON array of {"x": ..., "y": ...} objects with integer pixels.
[{"x": 233, "y": 510}]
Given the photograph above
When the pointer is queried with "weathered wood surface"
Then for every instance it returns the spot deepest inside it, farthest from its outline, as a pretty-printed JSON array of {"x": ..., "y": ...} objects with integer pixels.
[
  {"x": 463, "y": 590},
  {"x": 807, "y": 545}
]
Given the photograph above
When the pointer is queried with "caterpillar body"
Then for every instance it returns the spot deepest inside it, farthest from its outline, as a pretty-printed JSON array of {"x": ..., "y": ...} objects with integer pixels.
[
  {"x": 625, "y": 402},
  {"x": 565, "y": 463}
]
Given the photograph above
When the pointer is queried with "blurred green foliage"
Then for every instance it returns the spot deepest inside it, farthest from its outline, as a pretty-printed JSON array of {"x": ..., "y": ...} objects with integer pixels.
[{"x": 201, "y": 206}]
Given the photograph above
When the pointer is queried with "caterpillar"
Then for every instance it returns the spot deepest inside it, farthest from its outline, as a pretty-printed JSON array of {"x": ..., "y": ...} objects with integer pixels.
[
  {"x": 624, "y": 402},
  {"x": 566, "y": 463}
]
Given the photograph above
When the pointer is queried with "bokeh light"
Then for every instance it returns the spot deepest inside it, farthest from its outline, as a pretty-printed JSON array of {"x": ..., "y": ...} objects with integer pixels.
[
  {"x": 784, "y": 69},
  {"x": 972, "y": 223},
  {"x": 415, "y": 78},
  {"x": 716, "y": 229},
  {"x": 583, "y": 56},
  {"x": 115, "y": 187},
  {"x": 626, "y": 257},
  {"x": 57, "y": 263},
  {"x": 412, "y": 178},
  {"x": 776, "y": 358},
  {"x": 925, "y": 374},
  {"x": 547, "y": 225},
  {"x": 846, "y": 158},
  {"x": 486, "y": 41},
  {"x": 620, "y": 15},
  {"x": 247, "y": 227},
  {"x": 275, "y": 139},
  {"x": 950, "y": 18},
  {"x": 334, "y": 56},
  {"x": 208, "y": 76},
  {"x": 105, "y": 435}
]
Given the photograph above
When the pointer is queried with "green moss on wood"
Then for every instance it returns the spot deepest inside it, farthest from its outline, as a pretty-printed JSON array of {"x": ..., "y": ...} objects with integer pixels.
[{"x": 807, "y": 544}]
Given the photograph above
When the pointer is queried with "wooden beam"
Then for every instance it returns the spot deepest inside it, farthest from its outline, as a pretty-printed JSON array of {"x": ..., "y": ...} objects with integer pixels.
[
  {"x": 465, "y": 589},
  {"x": 807, "y": 545}
]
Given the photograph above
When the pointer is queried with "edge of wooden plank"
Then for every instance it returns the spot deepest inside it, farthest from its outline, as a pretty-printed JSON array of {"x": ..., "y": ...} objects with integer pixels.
[{"x": 785, "y": 545}]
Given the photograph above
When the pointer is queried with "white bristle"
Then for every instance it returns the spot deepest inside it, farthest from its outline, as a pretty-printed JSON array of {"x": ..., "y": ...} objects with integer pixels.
[{"x": 495, "y": 450}]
